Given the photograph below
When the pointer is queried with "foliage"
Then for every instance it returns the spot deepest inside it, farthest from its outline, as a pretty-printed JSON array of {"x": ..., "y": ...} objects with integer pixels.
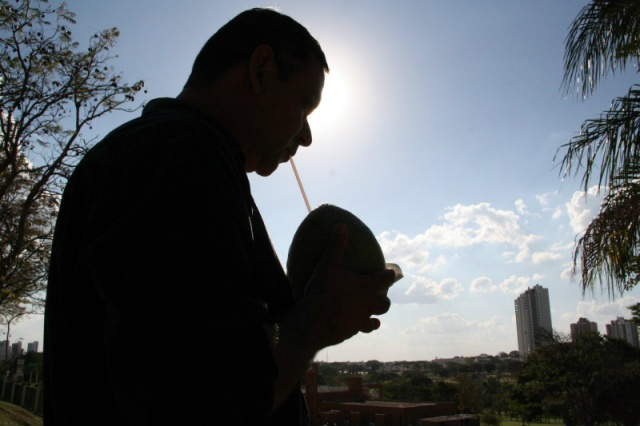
[
  {"x": 10, "y": 315},
  {"x": 603, "y": 39},
  {"x": 593, "y": 381},
  {"x": 635, "y": 313},
  {"x": 33, "y": 362},
  {"x": 469, "y": 394},
  {"x": 51, "y": 89},
  {"x": 410, "y": 387},
  {"x": 489, "y": 418}
]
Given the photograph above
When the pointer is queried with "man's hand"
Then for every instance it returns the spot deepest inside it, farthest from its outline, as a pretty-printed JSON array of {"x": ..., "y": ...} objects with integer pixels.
[
  {"x": 337, "y": 305},
  {"x": 341, "y": 301}
]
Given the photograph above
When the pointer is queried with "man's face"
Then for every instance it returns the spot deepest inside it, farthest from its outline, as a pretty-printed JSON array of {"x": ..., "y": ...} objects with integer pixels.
[{"x": 283, "y": 116}]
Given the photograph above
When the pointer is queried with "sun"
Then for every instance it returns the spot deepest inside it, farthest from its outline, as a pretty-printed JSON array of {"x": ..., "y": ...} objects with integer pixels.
[{"x": 334, "y": 107}]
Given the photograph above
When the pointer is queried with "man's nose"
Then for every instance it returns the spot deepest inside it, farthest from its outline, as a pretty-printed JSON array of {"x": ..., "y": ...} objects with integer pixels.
[{"x": 304, "y": 137}]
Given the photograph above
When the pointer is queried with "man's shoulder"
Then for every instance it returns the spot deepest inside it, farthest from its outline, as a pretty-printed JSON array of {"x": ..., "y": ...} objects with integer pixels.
[
  {"x": 166, "y": 127},
  {"x": 167, "y": 121}
]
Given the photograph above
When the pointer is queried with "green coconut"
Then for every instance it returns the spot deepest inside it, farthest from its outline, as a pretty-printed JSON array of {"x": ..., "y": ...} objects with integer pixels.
[{"x": 363, "y": 254}]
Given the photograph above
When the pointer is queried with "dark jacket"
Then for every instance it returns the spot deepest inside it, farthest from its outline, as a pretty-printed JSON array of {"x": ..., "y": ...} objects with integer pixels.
[{"x": 161, "y": 277}]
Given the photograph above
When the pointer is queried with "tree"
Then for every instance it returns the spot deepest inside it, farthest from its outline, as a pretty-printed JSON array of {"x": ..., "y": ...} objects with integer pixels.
[
  {"x": 51, "y": 90},
  {"x": 635, "y": 313},
  {"x": 374, "y": 365},
  {"x": 9, "y": 315},
  {"x": 590, "y": 382},
  {"x": 603, "y": 38},
  {"x": 469, "y": 394}
]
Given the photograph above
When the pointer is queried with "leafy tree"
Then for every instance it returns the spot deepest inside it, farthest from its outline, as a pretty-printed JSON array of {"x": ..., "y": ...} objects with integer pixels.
[
  {"x": 414, "y": 386},
  {"x": 602, "y": 40},
  {"x": 444, "y": 392},
  {"x": 373, "y": 365},
  {"x": 635, "y": 313},
  {"x": 590, "y": 382},
  {"x": 493, "y": 398},
  {"x": 10, "y": 315},
  {"x": 51, "y": 89},
  {"x": 469, "y": 394},
  {"x": 490, "y": 418}
]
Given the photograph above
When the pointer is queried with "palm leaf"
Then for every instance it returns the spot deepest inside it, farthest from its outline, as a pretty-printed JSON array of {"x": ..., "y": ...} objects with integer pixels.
[
  {"x": 609, "y": 249},
  {"x": 609, "y": 141},
  {"x": 602, "y": 39}
]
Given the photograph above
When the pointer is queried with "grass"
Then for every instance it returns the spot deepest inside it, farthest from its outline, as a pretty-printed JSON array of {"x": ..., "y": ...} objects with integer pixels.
[
  {"x": 518, "y": 423},
  {"x": 12, "y": 415}
]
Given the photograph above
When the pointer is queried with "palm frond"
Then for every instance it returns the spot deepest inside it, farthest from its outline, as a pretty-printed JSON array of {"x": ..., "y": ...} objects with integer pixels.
[
  {"x": 610, "y": 141},
  {"x": 602, "y": 39},
  {"x": 608, "y": 251}
]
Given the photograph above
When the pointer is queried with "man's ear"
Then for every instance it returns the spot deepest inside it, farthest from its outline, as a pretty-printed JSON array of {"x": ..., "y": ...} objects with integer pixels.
[{"x": 262, "y": 66}]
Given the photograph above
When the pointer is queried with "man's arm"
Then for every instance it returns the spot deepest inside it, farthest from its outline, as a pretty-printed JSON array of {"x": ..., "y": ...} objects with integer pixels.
[{"x": 337, "y": 305}]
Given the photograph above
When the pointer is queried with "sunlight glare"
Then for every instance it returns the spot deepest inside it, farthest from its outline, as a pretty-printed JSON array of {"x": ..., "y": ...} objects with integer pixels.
[{"x": 334, "y": 106}]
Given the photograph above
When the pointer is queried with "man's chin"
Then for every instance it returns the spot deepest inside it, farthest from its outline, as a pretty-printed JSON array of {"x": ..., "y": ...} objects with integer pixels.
[{"x": 266, "y": 171}]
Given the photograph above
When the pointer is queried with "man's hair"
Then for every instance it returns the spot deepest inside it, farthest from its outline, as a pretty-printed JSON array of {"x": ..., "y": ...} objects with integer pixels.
[{"x": 236, "y": 41}]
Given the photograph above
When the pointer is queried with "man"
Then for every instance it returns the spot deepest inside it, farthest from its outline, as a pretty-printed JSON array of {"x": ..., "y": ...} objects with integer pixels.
[{"x": 166, "y": 302}]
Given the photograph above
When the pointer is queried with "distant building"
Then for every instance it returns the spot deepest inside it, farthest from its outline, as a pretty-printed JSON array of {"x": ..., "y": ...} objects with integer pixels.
[
  {"x": 354, "y": 405},
  {"x": 16, "y": 349},
  {"x": 4, "y": 350},
  {"x": 533, "y": 319},
  {"x": 582, "y": 326},
  {"x": 32, "y": 347},
  {"x": 624, "y": 329}
]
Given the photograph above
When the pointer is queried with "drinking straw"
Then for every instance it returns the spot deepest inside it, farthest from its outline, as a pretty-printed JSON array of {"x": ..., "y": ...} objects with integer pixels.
[{"x": 304, "y": 195}]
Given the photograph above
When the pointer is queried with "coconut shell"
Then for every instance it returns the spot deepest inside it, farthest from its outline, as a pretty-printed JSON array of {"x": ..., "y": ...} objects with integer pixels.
[{"x": 363, "y": 254}]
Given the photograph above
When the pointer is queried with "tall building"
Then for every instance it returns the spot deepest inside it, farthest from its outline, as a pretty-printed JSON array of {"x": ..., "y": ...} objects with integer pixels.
[
  {"x": 582, "y": 326},
  {"x": 5, "y": 350},
  {"x": 624, "y": 329},
  {"x": 32, "y": 347},
  {"x": 16, "y": 349},
  {"x": 533, "y": 319}
]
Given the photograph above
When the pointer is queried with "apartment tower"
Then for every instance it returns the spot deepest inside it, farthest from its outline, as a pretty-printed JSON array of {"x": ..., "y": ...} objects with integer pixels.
[
  {"x": 533, "y": 319},
  {"x": 582, "y": 326},
  {"x": 624, "y": 329}
]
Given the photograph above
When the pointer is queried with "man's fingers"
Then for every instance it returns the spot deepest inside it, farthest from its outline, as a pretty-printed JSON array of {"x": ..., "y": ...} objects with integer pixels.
[
  {"x": 334, "y": 252},
  {"x": 370, "y": 325},
  {"x": 382, "y": 280},
  {"x": 381, "y": 305}
]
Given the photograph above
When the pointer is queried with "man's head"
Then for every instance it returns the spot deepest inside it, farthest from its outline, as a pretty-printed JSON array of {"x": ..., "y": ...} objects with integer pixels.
[
  {"x": 236, "y": 41},
  {"x": 260, "y": 76}
]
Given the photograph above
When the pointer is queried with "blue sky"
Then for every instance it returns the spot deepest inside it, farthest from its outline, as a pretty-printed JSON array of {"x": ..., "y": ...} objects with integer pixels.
[{"x": 438, "y": 128}]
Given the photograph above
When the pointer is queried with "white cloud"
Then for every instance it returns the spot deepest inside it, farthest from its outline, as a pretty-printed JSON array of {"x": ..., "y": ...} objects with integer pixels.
[
  {"x": 521, "y": 207},
  {"x": 583, "y": 207},
  {"x": 537, "y": 277},
  {"x": 545, "y": 199},
  {"x": 515, "y": 284},
  {"x": 482, "y": 285},
  {"x": 454, "y": 335},
  {"x": 545, "y": 256},
  {"x": 464, "y": 226},
  {"x": 562, "y": 246},
  {"x": 450, "y": 323},
  {"x": 434, "y": 266},
  {"x": 566, "y": 272},
  {"x": 557, "y": 213},
  {"x": 480, "y": 224},
  {"x": 604, "y": 313},
  {"x": 409, "y": 252},
  {"x": 422, "y": 290}
]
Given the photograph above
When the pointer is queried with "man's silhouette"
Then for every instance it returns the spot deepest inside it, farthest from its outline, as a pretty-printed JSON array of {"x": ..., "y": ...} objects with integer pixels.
[{"x": 166, "y": 303}]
